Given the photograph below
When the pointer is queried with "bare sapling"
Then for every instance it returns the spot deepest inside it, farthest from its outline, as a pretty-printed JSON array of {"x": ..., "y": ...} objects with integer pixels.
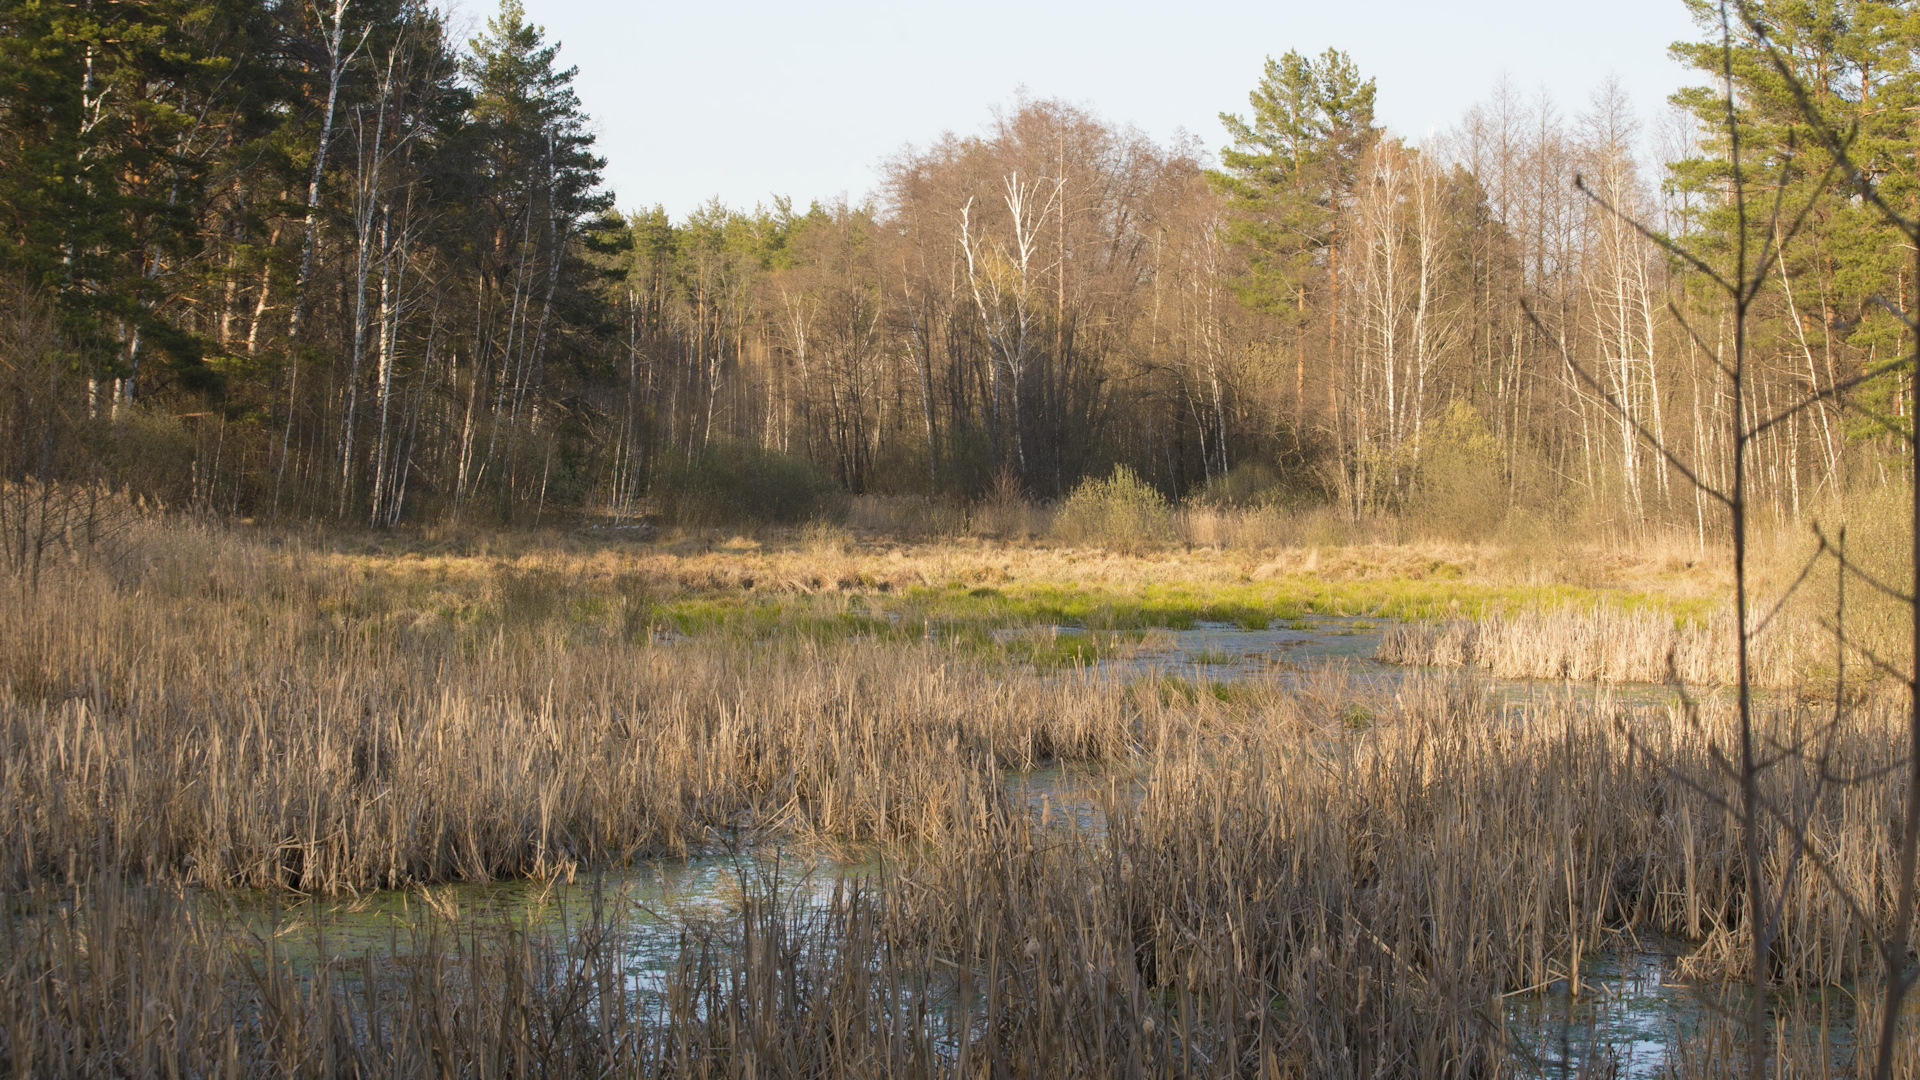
[{"x": 1762, "y": 232}]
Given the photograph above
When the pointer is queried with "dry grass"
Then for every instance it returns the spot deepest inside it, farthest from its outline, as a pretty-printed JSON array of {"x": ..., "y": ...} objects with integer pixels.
[
  {"x": 1607, "y": 644},
  {"x": 818, "y": 560},
  {"x": 1292, "y": 879},
  {"x": 1799, "y": 605},
  {"x": 238, "y": 716},
  {"x": 1283, "y": 893},
  {"x": 1359, "y": 904}
]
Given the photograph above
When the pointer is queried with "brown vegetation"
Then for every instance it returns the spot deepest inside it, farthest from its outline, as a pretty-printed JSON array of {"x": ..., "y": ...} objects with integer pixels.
[
  {"x": 878, "y": 548},
  {"x": 1324, "y": 893},
  {"x": 1598, "y": 643},
  {"x": 1793, "y": 645},
  {"x": 1291, "y": 878},
  {"x": 239, "y": 715}
]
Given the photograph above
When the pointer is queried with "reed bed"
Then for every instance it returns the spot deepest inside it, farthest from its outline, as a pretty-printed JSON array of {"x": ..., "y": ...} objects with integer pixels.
[
  {"x": 1277, "y": 890},
  {"x": 1362, "y": 904},
  {"x": 1604, "y": 643},
  {"x": 1301, "y": 878},
  {"x": 243, "y": 727}
]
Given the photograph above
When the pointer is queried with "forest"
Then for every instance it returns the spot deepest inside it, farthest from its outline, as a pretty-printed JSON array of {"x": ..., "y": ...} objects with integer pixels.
[
  {"x": 327, "y": 263},
  {"x": 1324, "y": 605}
]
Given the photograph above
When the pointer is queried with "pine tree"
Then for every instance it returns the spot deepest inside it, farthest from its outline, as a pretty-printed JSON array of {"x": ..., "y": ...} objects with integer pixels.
[
  {"x": 113, "y": 118},
  {"x": 1291, "y": 166},
  {"x": 1855, "y": 61},
  {"x": 538, "y": 191}
]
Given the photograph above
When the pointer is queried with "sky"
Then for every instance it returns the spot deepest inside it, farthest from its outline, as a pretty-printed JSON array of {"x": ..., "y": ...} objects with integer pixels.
[{"x": 747, "y": 100}]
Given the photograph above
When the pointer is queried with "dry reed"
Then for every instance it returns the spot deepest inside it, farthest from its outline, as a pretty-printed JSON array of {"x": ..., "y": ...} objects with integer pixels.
[
  {"x": 227, "y": 717},
  {"x": 1281, "y": 894},
  {"x": 1604, "y": 643},
  {"x": 1302, "y": 878}
]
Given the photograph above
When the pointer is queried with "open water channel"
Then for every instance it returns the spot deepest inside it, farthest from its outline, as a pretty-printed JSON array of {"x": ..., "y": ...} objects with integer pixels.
[{"x": 1628, "y": 1014}]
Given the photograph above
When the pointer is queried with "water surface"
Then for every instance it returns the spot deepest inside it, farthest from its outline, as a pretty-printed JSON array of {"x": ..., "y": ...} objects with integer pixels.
[{"x": 1627, "y": 1016}]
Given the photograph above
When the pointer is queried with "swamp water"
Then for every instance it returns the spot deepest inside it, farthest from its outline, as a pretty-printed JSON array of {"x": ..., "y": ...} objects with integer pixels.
[{"x": 1628, "y": 1015}]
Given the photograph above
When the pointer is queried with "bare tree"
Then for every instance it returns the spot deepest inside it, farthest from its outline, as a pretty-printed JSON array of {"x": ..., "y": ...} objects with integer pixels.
[
  {"x": 1761, "y": 233},
  {"x": 1005, "y": 278}
]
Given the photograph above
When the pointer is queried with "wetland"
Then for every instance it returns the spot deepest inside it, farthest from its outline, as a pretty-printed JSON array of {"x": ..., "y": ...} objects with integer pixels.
[{"x": 608, "y": 808}]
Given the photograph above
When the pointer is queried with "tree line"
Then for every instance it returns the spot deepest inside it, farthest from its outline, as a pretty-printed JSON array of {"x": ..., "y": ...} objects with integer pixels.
[{"x": 322, "y": 261}]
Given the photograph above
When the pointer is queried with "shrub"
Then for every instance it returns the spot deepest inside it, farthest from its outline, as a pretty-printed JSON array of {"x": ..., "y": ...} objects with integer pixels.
[
  {"x": 1249, "y": 484},
  {"x": 1005, "y": 512},
  {"x": 732, "y": 483},
  {"x": 1460, "y": 491},
  {"x": 1122, "y": 512}
]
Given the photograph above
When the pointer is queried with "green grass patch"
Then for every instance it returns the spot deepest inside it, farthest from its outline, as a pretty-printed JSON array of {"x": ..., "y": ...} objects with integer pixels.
[
  {"x": 1210, "y": 656},
  {"x": 1292, "y": 601},
  {"x": 763, "y": 618},
  {"x": 1058, "y": 651},
  {"x": 1179, "y": 690},
  {"x": 956, "y": 610}
]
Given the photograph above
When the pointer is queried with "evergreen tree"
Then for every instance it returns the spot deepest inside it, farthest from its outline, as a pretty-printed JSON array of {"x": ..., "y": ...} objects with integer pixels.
[
  {"x": 1855, "y": 61},
  {"x": 1285, "y": 179},
  {"x": 537, "y": 185},
  {"x": 114, "y": 116},
  {"x": 1289, "y": 167}
]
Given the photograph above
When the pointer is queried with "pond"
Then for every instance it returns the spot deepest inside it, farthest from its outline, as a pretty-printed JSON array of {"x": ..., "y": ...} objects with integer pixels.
[
  {"x": 1346, "y": 645},
  {"x": 1628, "y": 1015}
]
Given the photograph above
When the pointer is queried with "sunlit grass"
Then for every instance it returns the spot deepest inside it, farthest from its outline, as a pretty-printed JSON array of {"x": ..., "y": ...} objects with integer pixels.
[
  {"x": 242, "y": 717},
  {"x": 1253, "y": 606}
]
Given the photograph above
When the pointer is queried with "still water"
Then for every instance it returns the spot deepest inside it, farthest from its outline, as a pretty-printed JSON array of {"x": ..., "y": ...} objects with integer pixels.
[{"x": 1627, "y": 1015}]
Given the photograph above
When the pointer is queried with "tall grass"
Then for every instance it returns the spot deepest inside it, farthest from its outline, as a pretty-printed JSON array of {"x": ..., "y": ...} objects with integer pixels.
[
  {"x": 1282, "y": 891},
  {"x": 227, "y": 715},
  {"x": 1798, "y": 619},
  {"x": 1606, "y": 643},
  {"x": 1300, "y": 878}
]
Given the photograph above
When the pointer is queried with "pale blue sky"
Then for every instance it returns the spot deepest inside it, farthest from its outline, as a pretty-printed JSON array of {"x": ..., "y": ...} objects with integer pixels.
[{"x": 747, "y": 100}]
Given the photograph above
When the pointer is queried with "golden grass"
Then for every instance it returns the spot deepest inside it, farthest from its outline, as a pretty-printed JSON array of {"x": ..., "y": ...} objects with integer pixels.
[
  {"x": 1277, "y": 892},
  {"x": 820, "y": 558},
  {"x": 1299, "y": 878},
  {"x": 238, "y": 716},
  {"x": 829, "y": 582},
  {"x": 1798, "y": 608},
  {"x": 1601, "y": 643}
]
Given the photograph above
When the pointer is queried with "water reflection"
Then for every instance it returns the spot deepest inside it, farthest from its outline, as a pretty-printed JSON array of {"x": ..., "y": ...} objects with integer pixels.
[
  {"x": 1626, "y": 1019},
  {"x": 1307, "y": 650},
  {"x": 1626, "y": 1016}
]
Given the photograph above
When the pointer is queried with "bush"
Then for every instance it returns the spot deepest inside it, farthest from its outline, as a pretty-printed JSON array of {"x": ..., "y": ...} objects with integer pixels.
[
  {"x": 1249, "y": 484},
  {"x": 1005, "y": 512},
  {"x": 736, "y": 483},
  {"x": 1460, "y": 491},
  {"x": 1122, "y": 512}
]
